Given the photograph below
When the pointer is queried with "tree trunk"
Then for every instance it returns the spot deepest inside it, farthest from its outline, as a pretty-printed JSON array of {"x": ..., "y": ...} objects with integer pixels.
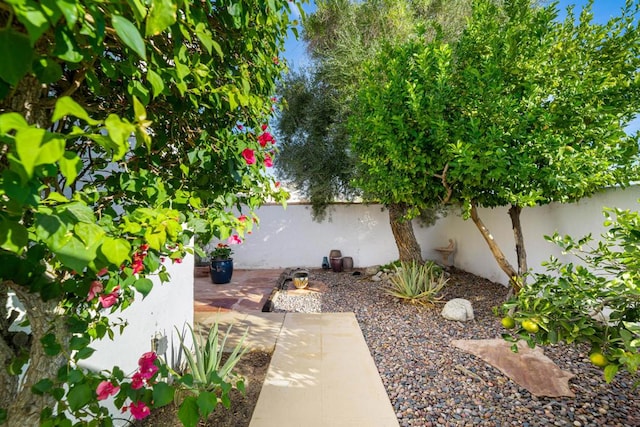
[
  {"x": 402, "y": 228},
  {"x": 23, "y": 407},
  {"x": 514, "y": 279},
  {"x": 514, "y": 213}
]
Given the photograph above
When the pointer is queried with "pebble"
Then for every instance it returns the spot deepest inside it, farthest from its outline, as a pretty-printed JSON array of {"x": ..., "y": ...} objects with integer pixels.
[{"x": 410, "y": 346}]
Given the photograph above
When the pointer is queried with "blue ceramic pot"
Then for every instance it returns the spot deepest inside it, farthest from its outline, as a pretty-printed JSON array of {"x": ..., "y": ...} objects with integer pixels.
[{"x": 221, "y": 270}]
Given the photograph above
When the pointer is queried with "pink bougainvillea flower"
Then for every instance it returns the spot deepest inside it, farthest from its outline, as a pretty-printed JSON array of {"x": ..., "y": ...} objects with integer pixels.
[
  {"x": 249, "y": 156},
  {"x": 149, "y": 372},
  {"x": 137, "y": 381},
  {"x": 263, "y": 127},
  {"x": 106, "y": 389},
  {"x": 268, "y": 161},
  {"x": 274, "y": 99},
  {"x": 234, "y": 240},
  {"x": 277, "y": 184},
  {"x": 147, "y": 359},
  {"x": 109, "y": 299},
  {"x": 139, "y": 410},
  {"x": 102, "y": 272},
  {"x": 147, "y": 366},
  {"x": 242, "y": 218},
  {"x": 240, "y": 127},
  {"x": 276, "y": 60},
  {"x": 94, "y": 289},
  {"x": 266, "y": 138},
  {"x": 177, "y": 260}
]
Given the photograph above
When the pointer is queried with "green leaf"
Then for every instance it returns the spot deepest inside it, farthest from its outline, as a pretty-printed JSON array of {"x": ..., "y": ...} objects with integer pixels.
[
  {"x": 610, "y": 371},
  {"x": 80, "y": 212},
  {"x": 15, "y": 46},
  {"x": 162, "y": 394},
  {"x": 47, "y": 70},
  {"x": 129, "y": 35},
  {"x": 90, "y": 234},
  {"x": 12, "y": 121},
  {"x": 116, "y": 250},
  {"x": 69, "y": 9},
  {"x": 13, "y": 236},
  {"x": 162, "y": 14},
  {"x": 79, "y": 396},
  {"x": 70, "y": 166},
  {"x": 28, "y": 143},
  {"x": 42, "y": 386},
  {"x": 157, "y": 84},
  {"x": 143, "y": 286},
  {"x": 85, "y": 353},
  {"x": 78, "y": 342},
  {"x": 139, "y": 110},
  {"x": 66, "y": 47},
  {"x": 74, "y": 254},
  {"x": 155, "y": 238},
  {"x": 50, "y": 345},
  {"x": 37, "y": 147},
  {"x": 119, "y": 132},
  {"x": 188, "y": 412},
  {"x": 31, "y": 16},
  {"x": 66, "y": 106},
  {"x": 207, "y": 403}
]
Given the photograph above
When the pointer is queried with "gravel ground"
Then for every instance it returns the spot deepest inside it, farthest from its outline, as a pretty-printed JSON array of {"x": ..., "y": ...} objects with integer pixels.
[{"x": 427, "y": 380}]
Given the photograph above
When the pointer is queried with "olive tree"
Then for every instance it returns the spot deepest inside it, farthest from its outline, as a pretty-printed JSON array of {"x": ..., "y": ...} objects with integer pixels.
[{"x": 343, "y": 38}]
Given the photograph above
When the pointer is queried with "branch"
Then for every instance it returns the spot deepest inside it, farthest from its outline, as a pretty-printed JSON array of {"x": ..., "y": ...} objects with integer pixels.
[{"x": 443, "y": 178}]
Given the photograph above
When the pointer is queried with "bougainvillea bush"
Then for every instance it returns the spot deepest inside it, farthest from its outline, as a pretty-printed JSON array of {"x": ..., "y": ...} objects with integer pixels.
[{"x": 126, "y": 128}]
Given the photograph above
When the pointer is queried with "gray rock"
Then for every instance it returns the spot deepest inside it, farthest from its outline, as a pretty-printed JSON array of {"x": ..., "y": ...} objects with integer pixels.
[
  {"x": 458, "y": 309},
  {"x": 370, "y": 271}
]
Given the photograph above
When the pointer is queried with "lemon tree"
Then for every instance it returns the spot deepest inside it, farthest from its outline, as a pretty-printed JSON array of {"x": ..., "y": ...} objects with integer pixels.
[{"x": 597, "y": 303}]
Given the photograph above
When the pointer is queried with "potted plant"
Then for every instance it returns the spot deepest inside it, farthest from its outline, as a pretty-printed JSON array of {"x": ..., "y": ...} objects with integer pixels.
[{"x": 221, "y": 267}]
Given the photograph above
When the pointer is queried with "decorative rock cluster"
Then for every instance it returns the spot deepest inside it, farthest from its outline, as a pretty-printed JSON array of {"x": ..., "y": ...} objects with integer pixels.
[{"x": 380, "y": 275}]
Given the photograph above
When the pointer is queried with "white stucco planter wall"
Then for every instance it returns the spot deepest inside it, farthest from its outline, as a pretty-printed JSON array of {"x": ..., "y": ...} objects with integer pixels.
[{"x": 168, "y": 305}]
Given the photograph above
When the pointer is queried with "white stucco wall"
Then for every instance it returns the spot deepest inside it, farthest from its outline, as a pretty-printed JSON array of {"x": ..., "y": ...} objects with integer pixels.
[
  {"x": 168, "y": 305},
  {"x": 290, "y": 238}
]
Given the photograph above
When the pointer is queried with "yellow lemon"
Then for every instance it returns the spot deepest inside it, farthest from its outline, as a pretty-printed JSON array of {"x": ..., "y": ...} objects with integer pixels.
[
  {"x": 598, "y": 359},
  {"x": 508, "y": 322},
  {"x": 530, "y": 326}
]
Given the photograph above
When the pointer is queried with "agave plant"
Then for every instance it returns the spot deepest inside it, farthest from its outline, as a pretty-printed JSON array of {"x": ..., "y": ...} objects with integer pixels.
[
  {"x": 204, "y": 361},
  {"x": 418, "y": 283}
]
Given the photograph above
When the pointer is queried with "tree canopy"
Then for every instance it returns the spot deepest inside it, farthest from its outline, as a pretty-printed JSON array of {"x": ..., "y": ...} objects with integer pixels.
[{"x": 539, "y": 109}]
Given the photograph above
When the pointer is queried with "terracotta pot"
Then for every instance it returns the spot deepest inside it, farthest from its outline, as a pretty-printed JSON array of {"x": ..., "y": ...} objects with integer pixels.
[
  {"x": 335, "y": 253},
  {"x": 336, "y": 265}
]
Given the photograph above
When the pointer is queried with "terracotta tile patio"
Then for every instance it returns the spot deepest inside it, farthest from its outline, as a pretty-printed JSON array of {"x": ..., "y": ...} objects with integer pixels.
[{"x": 247, "y": 292}]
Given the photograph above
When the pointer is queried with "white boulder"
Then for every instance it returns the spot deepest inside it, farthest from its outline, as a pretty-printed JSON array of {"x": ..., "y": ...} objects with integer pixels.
[{"x": 458, "y": 309}]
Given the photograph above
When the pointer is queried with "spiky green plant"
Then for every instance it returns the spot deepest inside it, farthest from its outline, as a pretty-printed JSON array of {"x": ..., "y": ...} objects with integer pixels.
[
  {"x": 204, "y": 360},
  {"x": 418, "y": 283}
]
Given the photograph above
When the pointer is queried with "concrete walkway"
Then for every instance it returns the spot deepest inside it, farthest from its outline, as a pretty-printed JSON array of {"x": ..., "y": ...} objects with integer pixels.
[{"x": 321, "y": 372}]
